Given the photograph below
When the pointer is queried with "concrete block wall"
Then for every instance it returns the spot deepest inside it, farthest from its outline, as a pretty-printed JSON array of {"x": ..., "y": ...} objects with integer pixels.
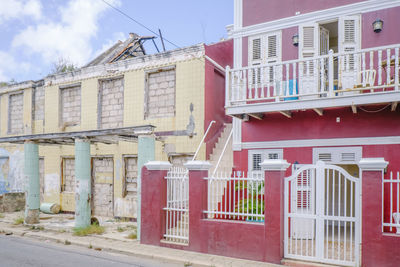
[
  {"x": 10, "y": 202},
  {"x": 131, "y": 173},
  {"x": 16, "y": 113},
  {"x": 68, "y": 175},
  {"x": 111, "y": 101},
  {"x": 38, "y": 103},
  {"x": 160, "y": 94},
  {"x": 102, "y": 200},
  {"x": 70, "y": 106}
]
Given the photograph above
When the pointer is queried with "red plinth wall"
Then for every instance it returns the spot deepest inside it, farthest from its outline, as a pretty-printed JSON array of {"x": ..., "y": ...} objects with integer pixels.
[
  {"x": 241, "y": 239},
  {"x": 378, "y": 249}
]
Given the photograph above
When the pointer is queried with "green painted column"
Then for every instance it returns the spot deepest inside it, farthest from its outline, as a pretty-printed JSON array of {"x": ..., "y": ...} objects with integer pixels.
[
  {"x": 83, "y": 183},
  {"x": 31, "y": 169},
  {"x": 146, "y": 153}
]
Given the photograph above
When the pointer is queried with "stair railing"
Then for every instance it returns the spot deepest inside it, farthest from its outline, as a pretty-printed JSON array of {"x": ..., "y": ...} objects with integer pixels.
[
  {"x": 202, "y": 140},
  {"x": 222, "y": 153}
]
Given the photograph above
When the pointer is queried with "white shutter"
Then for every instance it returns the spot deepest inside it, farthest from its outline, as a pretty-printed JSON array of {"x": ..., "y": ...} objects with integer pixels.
[
  {"x": 308, "y": 47},
  {"x": 255, "y": 56},
  {"x": 256, "y": 49},
  {"x": 349, "y": 41},
  {"x": 256, "y": 160}
]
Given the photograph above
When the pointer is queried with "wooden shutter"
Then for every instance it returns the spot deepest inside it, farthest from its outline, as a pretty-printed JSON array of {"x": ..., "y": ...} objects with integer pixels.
[{"x": 308, "y": 48}]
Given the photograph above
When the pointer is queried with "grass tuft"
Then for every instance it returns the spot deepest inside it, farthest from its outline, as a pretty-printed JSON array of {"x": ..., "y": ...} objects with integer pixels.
[
  {"x": 91, "y": 229},
  {"x": 132, "y": 235},
  {"x": 19, "y": 220},
  {"x": 2, "y": 215}
]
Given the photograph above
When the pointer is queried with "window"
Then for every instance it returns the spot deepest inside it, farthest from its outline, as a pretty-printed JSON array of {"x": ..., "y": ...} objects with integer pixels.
[
  {"x": 160, "y": 93},
  {"x": 15, "y": 113},
  {"x": 70, "y": 106},
  {"x": 111, "y": 103},
  {"x": 265, "y": 49},
  {"x": 68, "y": 175},
  {"x": 38, "y": 103},
  {"x": 257, "y": 156},
  {"x": 131, "y": 173}
]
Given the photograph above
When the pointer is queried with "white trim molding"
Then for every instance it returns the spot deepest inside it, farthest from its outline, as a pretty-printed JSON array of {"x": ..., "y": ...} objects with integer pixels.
[
  {"x": 372, "y": 164},
  {"x": 197, "y": 165},
  {"x": 158, "y": 165},
  {"x": 274, "y": 165},
  {"x": 316, "y": 16},
  {"x": 383, "y": 140},
  {"x": 238, "y": 14}
]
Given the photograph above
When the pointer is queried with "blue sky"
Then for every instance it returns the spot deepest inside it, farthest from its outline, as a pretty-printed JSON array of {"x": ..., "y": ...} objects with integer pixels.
[{"x": 36, "y": 33}]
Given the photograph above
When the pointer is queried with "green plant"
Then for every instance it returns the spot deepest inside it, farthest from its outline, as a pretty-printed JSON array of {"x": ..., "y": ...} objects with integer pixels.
[
  {"x": 253, "y": 203},
  {"x": 66, "y": 242},
  {"x": 91, "y": 229},
  {"x": 132, "y": 235},
  {"x": 187, "y": 264},
  {"x": 120, "y": 229},
  {"x": 2, "y": 215},
  {"x": 19, "y": 220}
]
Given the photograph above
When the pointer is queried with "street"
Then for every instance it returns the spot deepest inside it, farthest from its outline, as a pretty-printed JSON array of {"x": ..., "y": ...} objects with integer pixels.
[{"x": 21, "y": 252}]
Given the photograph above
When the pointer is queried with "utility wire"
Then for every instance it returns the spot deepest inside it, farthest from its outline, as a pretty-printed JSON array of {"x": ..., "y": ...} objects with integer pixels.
[{"x": 137, "y": 22}]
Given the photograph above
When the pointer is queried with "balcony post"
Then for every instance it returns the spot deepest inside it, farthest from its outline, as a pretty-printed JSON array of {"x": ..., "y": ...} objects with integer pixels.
[
  {"x": 227, "y": 91},
  {"x": 330, "y": 73}
]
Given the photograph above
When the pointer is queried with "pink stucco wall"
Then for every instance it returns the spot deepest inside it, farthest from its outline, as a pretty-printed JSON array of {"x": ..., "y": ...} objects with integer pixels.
[{"x": 259, "y": 11}]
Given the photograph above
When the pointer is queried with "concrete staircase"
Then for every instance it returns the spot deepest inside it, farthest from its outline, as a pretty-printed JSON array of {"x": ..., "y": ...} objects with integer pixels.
[{"x": 226, "y": 163}]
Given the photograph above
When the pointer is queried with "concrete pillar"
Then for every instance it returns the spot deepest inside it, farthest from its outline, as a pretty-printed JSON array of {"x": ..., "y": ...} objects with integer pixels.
[
  {"x": 373, "y": 252},
  {"x": 154, "y": 200},
  {"x": 198, "y": 193},
  {"x": 82, "y": 183},
  {"x": 274, "y": 208},
  {"x": 146, "y": 153},
  {"x": 31, "y": 153}
]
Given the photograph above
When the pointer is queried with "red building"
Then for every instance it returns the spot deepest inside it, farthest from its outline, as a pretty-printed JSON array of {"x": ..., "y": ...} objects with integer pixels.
[{"x": 313, "y": 91}]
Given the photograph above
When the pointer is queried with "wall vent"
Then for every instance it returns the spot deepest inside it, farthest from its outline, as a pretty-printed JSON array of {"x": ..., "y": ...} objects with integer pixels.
[
  {"x": 325, "y": 156},
  {"x": 348, "y": 157}
]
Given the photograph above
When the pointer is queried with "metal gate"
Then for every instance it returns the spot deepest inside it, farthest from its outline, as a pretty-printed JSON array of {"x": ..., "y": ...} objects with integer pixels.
[
  {"x": 322, "y": 215},
  {"x": 177, "y": 209}
]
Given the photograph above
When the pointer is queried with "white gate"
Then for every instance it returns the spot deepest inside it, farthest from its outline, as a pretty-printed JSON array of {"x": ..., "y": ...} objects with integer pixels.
[
  {"x": 322, "y": 215},
  {"x": 177, "y": 209}
]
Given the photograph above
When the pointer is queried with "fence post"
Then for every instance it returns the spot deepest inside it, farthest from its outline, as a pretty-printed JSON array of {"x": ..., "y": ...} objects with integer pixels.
[
  {"x": 371, "y": 205},
  {"x": 274, "y": 208},
  {"x": 154, "y": 198},
  {"x": 198, "y": 170}
]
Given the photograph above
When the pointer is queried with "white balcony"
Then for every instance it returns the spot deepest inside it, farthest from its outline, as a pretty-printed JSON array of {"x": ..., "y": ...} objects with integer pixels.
[{"x": 350, "y": 79}]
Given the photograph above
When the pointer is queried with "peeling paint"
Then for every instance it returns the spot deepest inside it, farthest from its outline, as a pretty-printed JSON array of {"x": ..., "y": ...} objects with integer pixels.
[
  {"x": 12, "y": 177},
  {"x": 51, "y": 183},
  {"x": 126, "y": 207}
]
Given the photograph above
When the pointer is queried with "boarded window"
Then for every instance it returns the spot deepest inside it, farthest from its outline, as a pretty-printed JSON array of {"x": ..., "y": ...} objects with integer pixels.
[
  {"x": 111, "y": 103},
  {"x": 38, "y": 103},
  {"x": 68, "y": 175},
  {"x": 131, "y": 173},
  {"x": 102, "y": 187},
  {"x": 160, "y": 94},
  {"x": 70, "y": 103},
  {"x": 15, "y": 109}
]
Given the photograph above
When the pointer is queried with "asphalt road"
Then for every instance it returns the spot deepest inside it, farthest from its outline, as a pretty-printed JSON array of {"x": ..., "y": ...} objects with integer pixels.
[{"x": 21, "y": 252}]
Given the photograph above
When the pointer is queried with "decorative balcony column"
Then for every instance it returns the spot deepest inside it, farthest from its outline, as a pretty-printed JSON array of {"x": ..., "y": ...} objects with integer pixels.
[
  {"x": 146, "y": 153},
  {"x": 274, "y": 208},
  {"x": 371, "y": 206},
  {"x": 83, "y": 183},
  {"x": 31, "y": 154}
]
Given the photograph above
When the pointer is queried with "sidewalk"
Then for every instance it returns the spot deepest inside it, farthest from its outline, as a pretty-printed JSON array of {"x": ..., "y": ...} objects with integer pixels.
[{"x": 58, "y": 228}]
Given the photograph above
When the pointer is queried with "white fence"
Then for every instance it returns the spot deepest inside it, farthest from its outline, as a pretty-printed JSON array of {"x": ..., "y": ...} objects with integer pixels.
[
  {"x": 332, "y": 75},
  {"x": 236, "y": 197},
  {"x": 390, "y": 203},
  {"x": 177, "y": 209}
]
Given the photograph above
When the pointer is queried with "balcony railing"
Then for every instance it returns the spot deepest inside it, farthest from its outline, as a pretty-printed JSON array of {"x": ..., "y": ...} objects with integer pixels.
[{"x": 350, "y": 77}]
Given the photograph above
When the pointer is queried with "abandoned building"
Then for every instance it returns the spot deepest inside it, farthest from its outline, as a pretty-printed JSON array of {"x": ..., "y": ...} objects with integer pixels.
[{"x": 119, "y": 97}]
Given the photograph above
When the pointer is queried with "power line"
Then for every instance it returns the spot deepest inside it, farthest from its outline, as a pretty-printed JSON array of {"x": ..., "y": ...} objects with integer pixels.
[{"x": 137, "y": 22}]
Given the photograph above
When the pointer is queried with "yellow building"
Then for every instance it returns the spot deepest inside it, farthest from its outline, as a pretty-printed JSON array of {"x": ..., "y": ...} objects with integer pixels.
[{"x": 166, "y": 90}]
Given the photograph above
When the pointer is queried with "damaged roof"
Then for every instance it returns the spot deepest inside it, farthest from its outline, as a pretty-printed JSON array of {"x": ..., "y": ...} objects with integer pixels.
[{"x": 132, "y": 47}]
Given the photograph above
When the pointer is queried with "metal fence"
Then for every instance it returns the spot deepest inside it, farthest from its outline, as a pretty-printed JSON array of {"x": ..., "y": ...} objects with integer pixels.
[
  {"x": 236, "y": 197},
  {"x": 177, "y": 209},
  {"x": 390, "y": 203}
]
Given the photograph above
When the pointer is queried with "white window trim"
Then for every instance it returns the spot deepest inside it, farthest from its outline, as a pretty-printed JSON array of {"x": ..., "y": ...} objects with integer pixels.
[
  {"x": 264, "y": 154},
  {"x": 336, "y": 154},
  {"x": 264, "y": 38}
]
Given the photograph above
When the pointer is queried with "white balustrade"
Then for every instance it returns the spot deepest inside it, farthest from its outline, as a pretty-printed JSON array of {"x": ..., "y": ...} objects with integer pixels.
[{"x": 390, "y": 203}]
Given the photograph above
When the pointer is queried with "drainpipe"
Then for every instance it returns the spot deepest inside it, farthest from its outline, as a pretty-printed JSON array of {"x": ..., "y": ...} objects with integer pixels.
[
  {"x": 31, "y": 154},
  {"x": 146, "y": 148},
  {"x": 83, "y": 183}
]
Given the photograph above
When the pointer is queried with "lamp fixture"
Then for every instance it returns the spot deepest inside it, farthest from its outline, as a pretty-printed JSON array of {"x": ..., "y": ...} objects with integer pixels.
[
  {"x": 295, "y": 40},
  {"x": 377, "y": 25}
]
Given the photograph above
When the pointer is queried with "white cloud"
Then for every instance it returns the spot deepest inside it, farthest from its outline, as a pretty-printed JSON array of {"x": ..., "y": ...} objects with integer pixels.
[
  {"x": 17, "y": 9},
  {"x": 70, "y": 37},
  {"x": 9, "y": 66},
  {"x": 117, "y": 36}
]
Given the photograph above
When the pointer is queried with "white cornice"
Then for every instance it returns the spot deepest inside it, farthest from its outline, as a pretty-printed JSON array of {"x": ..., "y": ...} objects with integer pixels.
[
  {"x": 158, "y": 165},
  {"x": 384, "y": 140},
  {"x": 372, "y": 164},
  {"x": 274, "y": 165},
  {"x": 321, "y": 15},
  {"x": 197, "y": 165}
]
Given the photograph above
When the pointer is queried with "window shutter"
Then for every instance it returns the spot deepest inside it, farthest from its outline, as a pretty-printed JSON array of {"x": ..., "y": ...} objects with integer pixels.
[
  {"x": 349, "y": 31},
  {"x": 256, "y": 161},
  {"x": 309, "y": 38},
  {"x": 272, "y": 47},
  {"x": 256, "y": 49}
]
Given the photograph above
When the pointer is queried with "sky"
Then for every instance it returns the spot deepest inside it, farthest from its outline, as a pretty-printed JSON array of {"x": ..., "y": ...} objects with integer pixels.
[{"x": 35, "y": 34}]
